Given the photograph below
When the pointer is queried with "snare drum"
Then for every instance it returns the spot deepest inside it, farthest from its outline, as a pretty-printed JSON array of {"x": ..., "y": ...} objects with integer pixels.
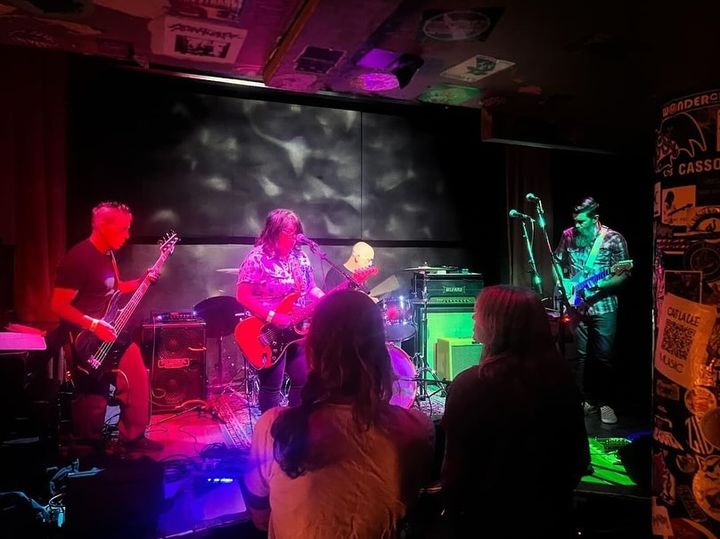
[
  {"x": 405, "y": 385},
  {"x": 397, "y": 315}
]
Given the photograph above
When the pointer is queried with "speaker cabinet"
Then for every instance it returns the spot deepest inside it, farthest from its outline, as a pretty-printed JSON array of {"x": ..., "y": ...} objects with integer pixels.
[
  {"x": 443, "y": 322},
  {"x": 176, "y": 353},
  {"x": 453, "y": 356}
]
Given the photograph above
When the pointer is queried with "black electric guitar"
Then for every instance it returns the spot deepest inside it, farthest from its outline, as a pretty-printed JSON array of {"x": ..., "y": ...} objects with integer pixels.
[{"x": 93, "y": 356}]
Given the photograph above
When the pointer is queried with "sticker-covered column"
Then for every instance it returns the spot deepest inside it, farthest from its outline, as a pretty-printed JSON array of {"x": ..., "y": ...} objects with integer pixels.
[{"x": 686, "y": 378}]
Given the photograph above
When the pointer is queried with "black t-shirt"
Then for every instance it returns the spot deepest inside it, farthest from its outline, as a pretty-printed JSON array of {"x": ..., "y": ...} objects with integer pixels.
[
  {"x": 91, "y": 273},
  {"x": 506, "y": 431}
]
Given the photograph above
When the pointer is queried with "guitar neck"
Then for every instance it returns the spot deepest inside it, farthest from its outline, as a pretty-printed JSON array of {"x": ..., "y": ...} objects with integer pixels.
[
  {"x": 305, "y": 312},
  {"x": 139, "y": 293}
]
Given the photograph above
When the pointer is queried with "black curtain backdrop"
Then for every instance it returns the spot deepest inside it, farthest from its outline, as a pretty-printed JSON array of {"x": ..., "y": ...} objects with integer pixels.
[{"x": 210, "y": 163}]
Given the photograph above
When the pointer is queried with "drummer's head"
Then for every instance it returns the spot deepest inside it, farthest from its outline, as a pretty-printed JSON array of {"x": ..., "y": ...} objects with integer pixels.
[
  {"x": 346, "y": 350},
  {"x": 510, "y": 320},
  {"x": 362, "y": 254}
]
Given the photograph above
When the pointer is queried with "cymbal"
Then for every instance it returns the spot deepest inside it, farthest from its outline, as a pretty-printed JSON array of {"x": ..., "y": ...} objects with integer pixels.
[
  {"x": 231, "y": 271},
  {"x": 431, "y": 268},
  {"x": 219, "y": 313}
]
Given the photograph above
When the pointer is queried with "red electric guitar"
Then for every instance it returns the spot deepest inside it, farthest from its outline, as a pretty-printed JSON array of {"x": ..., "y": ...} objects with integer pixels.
[{"x": 263, "y": 344}]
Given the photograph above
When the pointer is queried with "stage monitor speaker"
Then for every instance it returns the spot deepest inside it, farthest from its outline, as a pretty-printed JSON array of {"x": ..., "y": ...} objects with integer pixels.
[
  {"x": 455, "y": 321},
  {"x": 452, "y": 356},
  {"x": 176, "y": 352}
]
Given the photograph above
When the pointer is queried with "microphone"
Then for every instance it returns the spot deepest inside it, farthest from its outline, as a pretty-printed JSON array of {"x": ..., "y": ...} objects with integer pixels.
[
  {"x": 302, "y": 239},
  {"x": 518, "y": 215},
  {"x": 532, "y": 198}
]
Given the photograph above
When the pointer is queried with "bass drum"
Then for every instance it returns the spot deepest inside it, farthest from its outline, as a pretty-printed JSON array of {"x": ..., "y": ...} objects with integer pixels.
[{"x": 405, "y": 385}]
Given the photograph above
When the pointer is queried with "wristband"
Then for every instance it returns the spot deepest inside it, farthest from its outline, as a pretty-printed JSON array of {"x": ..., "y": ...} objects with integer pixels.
[
  {"x": 270, "y": 316},
  {"x": 93, "y": 325}
]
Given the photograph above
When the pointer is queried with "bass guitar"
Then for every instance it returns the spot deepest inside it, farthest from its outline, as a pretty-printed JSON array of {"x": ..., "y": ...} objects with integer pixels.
[
  {"x": 93, "y": 356},
  {"x": 577, "y": 288},
  {"x": 263, "y": 344}
]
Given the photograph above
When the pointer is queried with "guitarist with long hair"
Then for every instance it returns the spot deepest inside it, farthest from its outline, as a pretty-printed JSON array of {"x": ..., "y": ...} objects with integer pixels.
[
  {"x": 586, "y": 249},
  {"x": 86, "y": 279},
  {"x": 271, "y": 271}
]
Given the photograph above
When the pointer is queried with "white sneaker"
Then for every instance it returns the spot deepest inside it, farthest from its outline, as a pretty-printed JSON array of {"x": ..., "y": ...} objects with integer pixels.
[
  {"x": 607, "y": 415},
  {"x": 590, "y": 408}
]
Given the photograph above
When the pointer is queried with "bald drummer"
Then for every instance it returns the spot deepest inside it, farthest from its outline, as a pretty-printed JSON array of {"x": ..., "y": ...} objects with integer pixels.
[{"x": 362, "y": 256}]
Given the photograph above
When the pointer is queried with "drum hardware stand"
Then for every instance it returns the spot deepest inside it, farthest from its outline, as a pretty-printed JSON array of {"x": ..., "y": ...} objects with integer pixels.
[
  {"x": 420, "y": 358},
  {"x": 249, "y": 384}
]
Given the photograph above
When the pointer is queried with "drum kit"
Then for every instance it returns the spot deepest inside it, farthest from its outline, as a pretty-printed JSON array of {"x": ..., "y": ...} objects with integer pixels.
[{"x": 402, "y": 317}]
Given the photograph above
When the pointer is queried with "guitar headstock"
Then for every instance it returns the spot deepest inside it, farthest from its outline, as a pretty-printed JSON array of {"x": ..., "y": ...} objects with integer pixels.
[
  {"x": 168, "y": 241},
  {"x": 363, "y": 274},
  {"x": 621, "y": 267}
]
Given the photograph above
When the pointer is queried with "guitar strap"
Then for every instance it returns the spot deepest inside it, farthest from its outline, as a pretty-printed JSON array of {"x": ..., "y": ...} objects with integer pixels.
[
  {"x": 592, "y": 256},
  {"x": 115, "y": 269},
  {"x": 297, "y": 274}
]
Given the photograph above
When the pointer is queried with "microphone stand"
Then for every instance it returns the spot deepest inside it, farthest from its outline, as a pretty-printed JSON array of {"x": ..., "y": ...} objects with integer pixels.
[
  {"x": 557, "y": 272},
  {"x": 315, "y": 249},
  {"x": 534, "y": 275}
]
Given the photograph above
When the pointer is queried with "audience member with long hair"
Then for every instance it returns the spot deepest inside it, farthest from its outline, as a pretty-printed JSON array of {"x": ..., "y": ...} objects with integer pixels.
[
  {"x": 345, "y": 462},
  {"x": 516, "y": 445}
]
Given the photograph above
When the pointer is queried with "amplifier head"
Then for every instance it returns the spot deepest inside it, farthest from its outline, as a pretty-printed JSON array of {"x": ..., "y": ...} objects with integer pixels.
[{"x": 447, "y": 285}]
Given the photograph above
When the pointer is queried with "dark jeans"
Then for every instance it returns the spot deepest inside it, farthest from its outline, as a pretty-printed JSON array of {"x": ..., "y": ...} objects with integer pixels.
[
  {"x": 593, "y": 370},
  {"x": 271, "y": 379}
]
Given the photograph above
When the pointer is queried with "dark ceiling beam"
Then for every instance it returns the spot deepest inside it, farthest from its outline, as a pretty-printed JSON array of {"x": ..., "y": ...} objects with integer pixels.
[{"x": 505, "y": 127}]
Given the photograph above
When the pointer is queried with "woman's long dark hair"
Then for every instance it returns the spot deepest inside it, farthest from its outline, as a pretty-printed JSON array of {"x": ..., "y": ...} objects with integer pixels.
[
  {"x": 349, "y": 362},
  {"x": 513, "y": 325},
  {"x": 275, "y": 221}
]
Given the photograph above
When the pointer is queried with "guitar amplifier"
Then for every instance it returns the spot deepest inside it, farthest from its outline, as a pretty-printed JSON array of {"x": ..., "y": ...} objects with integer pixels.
[
  {"x": 431, "y": 286},
  {"x": 453, "y": 355},
  {"x": 176, "y": 353}
]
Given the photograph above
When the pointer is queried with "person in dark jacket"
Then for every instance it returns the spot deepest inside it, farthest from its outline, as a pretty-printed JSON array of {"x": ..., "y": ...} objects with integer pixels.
[{"x": 516, "y": 444}]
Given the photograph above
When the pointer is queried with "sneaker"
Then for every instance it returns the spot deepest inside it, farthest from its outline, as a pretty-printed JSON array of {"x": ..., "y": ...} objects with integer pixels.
[
  {"x": 590, "y": 408},
  {"x": 607, "y": 415}
]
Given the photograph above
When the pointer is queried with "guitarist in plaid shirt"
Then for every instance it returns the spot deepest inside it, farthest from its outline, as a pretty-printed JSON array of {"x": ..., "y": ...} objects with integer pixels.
[{"x": 591, "y": 242}]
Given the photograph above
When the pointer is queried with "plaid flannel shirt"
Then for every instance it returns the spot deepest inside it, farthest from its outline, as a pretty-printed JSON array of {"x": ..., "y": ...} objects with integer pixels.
[{"x": 572, "y": 259}]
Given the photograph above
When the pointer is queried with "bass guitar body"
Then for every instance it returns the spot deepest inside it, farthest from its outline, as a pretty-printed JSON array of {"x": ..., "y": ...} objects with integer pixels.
[{"x": 87, "y": 344}]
